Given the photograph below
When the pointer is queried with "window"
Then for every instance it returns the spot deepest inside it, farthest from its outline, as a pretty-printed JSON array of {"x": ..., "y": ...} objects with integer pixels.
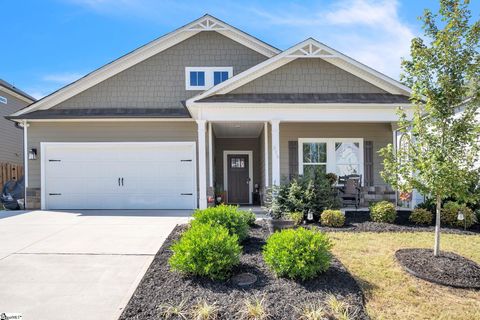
[
  {"x": 237, "y": 163},
  {"x": 197, "y": 78},
  {"x": 219, "y": 77},
  {"x": 3, "y": 100},
  {"x": 338, "y": 155},
  {"x": 203, "y": 78}
]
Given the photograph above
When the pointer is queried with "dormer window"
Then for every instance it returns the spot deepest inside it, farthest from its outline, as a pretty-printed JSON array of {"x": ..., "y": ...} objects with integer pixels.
[{"x": 203, "y": 78}]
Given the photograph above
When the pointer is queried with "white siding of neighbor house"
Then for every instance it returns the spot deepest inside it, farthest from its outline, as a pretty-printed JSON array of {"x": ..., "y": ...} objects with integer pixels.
[
  {"x": 308, "y": 76},
  {"x": 380, "y": 133}
]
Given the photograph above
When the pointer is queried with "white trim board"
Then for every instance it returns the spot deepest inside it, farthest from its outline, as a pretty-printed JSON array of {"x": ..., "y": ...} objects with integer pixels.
[
  {"x": 250, "y": 170},
  {"x": 43, "y": 158},
  {"x": 205, "y": 23}
]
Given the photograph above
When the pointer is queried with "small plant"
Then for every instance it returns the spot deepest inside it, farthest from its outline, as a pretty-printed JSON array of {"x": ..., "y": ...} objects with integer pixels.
[
  {"x": 421, "y": 216},
  {"x": 249, "y": 217},
  {"x": 227, "y": 216},
  {"x": 338, "y": 309},
  {"x": 298, "y": 253},
  {"x": 205, "y": 311},
  {"x": 383, "y": 211},
  {"x": 450, "y": 212},
  {"x": 311, "y": 311},
  {"x": 296, "y": 217},
  {"x": 254, "y": 309},
  {"x": 332, "y": 218},
  {"x": 206, "y": 250},
  {"x": 174, "y": 311}
]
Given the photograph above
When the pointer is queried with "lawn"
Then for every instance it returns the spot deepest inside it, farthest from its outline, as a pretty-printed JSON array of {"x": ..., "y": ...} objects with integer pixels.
[{"x": 390, "y": 292}]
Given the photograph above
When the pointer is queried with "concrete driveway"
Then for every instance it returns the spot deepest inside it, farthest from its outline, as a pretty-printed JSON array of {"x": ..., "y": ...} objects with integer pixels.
[{"x": 77, "y": 264}]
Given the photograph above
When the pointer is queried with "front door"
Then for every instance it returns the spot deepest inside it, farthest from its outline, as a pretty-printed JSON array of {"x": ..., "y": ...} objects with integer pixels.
[{"x": 238, "y": 179}]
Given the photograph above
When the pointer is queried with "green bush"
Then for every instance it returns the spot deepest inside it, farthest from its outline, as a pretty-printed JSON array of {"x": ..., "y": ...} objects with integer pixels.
[
  {"x": 206, "y": 250},
  {"x": 249, "y": 217},
  {"x": 332, "y": 218},
  {"x": 449, "y": 215},
  {"x": 383, "y": 211},
  {"x": 421, "y": 216},
  {"x": 296, "y": 217},
  {"x": 297, "y": 253},
  {"x": 228, "y": 216}
]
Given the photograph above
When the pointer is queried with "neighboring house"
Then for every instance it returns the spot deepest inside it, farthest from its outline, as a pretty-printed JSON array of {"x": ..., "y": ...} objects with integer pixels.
[
  {"x": 11, "y": 137},
  {"x": 208, "y": 107}
]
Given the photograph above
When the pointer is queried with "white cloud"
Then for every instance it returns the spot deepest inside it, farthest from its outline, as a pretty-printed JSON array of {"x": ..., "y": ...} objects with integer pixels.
[{"x": 62, "y": 78}]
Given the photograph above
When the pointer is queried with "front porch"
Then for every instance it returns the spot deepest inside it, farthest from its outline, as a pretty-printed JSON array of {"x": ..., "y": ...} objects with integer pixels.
[{"x": 242, "y": 159}]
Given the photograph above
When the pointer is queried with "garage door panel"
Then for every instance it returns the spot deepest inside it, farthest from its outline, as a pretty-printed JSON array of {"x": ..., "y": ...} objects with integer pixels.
[{"x": 153, "y": 176}]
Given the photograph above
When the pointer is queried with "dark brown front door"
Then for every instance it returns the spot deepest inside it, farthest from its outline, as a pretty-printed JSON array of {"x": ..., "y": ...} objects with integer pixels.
[{"x": 238, "y": 180}]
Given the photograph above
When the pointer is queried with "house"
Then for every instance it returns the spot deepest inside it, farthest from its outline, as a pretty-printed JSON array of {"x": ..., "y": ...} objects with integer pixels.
[
  {"x": 207, "y": 107},
  {"x": 11, "y": 137}
]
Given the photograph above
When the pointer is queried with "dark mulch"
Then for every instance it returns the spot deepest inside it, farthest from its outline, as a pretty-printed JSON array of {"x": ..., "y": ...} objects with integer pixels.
[
  {"x": 359, "y": 221},
  {"x": 447, "y": 269},
  {"x": 160, "y": 286}
]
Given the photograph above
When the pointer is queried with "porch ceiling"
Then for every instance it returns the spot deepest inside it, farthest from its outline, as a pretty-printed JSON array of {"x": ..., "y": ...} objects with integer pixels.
[{"x": 237, "y": 129}]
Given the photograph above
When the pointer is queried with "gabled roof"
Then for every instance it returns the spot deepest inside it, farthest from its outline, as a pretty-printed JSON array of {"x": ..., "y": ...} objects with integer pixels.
[
  {"x": 205, "y": 23},
  {"x": 309, "y": 48},
  {"x": 11, "y": 89}
]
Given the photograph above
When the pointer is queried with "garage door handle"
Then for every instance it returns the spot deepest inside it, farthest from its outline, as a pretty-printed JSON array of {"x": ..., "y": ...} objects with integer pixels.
[
  {"x": 54, "y": 194},
  {"x": 122, "y": 182},
  {"x": 186, "y": 194},
  {"x": 119, "y": 182}
]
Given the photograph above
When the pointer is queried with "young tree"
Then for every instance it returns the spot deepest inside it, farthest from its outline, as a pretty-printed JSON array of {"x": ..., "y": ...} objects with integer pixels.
[{"x": 439, "y": 152}]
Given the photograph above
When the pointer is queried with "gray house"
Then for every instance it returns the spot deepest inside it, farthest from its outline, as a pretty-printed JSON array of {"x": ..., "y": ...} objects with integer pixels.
[
  {"x": 207, "y": 107},
  {"x": 11, "y": 137}
]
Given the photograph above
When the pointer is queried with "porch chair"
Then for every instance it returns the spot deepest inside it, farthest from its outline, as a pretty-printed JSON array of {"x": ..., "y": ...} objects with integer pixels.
[{"x": 349, "y": 188}]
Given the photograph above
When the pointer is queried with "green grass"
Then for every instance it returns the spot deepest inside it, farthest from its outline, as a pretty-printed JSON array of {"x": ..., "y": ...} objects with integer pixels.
[{"x": 393, "y": 294}]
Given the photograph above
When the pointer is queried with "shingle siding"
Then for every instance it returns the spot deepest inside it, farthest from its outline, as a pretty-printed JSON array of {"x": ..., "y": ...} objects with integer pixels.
[
  {"x": 11, "y": 138},
  {"x": 308, "y": 76},
  {"x": 159, "y": 82}
]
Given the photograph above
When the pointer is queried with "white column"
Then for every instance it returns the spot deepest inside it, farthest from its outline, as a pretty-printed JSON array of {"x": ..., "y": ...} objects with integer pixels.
[
  {"x": 265, "y": 133},
  {"x": 210, "y": 156},
  {"x": 275, "y": 152},
  {"x": 202, "y": 165},
  {"x": 25, "y": 159}
]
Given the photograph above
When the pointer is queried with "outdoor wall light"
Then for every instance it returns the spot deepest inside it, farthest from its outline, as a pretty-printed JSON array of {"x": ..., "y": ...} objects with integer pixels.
[{"x": 32, "y": 154}]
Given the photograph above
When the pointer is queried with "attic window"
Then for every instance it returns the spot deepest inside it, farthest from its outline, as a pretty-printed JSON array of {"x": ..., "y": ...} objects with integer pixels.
[
  {"x": 3, "y": 100},
  {"x": 203, "y": 78}
]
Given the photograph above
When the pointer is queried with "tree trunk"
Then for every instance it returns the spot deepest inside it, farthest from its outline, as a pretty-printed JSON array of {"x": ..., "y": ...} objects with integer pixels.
[{"x": 436, "y": 249}]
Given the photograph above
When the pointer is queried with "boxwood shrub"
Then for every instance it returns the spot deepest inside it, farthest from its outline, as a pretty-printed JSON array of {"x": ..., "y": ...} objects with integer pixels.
[
  {"x": 449, "y": 215},
  {"x": 296, "y": 217},
  {"x": 206, "y": 250},
  {"x": 298, "y": 253},
  {"x": 332, "y": 218},
  {"x": 249, "y": 217},
  {"x": 383, "y": 211},
  {"x": 227, "y": 216},
  {"x": 421, "y": 216}
]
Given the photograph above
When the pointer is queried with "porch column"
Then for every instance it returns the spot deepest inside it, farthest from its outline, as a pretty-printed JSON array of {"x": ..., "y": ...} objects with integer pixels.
[
  {"x": 210, "y": 156},
  {"x": 25, "y": 161},
  {"x": 202, "y": 165},
  {"x": 265, "y": 161},
  {"x": 275, "y": 152}
]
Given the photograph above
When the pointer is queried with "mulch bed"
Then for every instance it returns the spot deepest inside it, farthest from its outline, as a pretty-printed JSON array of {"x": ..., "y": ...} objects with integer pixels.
[
  {"x": 448, "y": 269},
  {"x": 359, "y": 221},
  {"x": 283, "y": 297}
]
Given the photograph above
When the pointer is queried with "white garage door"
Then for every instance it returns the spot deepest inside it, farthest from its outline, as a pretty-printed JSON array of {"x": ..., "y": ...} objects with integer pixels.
[{"x": 119, "y": 175}]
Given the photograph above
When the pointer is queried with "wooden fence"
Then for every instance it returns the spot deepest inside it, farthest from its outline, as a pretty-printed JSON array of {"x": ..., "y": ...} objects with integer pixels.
[{"x": 9, "y": 171}]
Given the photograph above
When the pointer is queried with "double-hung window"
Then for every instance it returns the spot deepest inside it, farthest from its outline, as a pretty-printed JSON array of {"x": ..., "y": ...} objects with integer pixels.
[
  {"x": 342, "y": 156},
  {"x": 203, "y": 78}
]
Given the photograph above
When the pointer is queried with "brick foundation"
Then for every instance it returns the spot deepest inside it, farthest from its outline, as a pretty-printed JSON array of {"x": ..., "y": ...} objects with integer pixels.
[{"x": 33, "y": 198}]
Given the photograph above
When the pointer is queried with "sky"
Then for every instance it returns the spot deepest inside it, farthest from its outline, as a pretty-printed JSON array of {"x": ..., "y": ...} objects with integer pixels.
[{"x": 49, "y": 43}]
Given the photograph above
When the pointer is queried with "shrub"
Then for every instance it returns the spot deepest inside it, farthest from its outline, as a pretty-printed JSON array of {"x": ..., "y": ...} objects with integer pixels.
[
  {"x": 249, "y": 217},
  {"x": 297, "y": 253},
  {"x": 227, "y": 216},
  {"x": 206, "y": 250},
  {"x": 296, "y": 217},
  {"x": 332, "y": 218},
  {"x": 383, "y": 211},
  {"x": 421, "y": 216},
  {"x": 449, "y": 215}
]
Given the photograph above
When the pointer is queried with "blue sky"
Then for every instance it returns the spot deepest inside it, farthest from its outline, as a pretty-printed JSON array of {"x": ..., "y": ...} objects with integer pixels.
[{"x": 50, "y": 43}]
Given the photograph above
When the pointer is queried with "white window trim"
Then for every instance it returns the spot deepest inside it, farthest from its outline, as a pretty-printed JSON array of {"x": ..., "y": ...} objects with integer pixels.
[
  {"x": 331, "y": 163},
  {"x": 3, "y": 100},
  {"x": 208, "y": 76}
]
